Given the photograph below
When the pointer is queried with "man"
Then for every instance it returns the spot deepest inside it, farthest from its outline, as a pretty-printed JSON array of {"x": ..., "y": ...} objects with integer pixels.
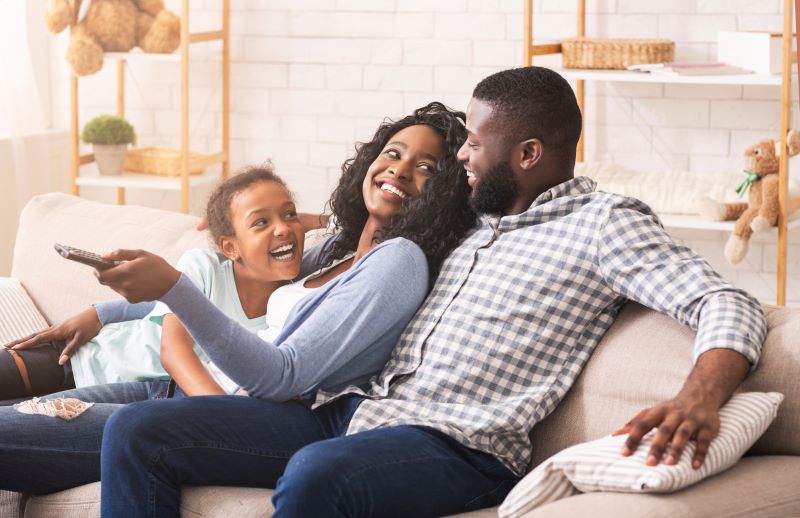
[{"x": 514, "y": 316}]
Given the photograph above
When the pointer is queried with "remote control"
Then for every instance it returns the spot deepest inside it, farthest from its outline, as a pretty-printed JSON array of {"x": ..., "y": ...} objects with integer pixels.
[{"x": 82, "y": 256}]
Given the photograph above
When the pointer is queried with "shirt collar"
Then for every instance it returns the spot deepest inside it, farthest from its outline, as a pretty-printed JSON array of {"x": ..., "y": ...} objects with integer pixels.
[{"x": 539, "y": 209}]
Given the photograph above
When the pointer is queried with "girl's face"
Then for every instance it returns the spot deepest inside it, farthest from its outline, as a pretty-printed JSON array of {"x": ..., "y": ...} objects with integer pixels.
[
  {"x": 268, "y": 244},
  {"x": 401, "y": 169}
]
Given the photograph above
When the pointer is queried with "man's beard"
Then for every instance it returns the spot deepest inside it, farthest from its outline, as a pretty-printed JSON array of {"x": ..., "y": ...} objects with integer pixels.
[{"x": 496, "y": 190}]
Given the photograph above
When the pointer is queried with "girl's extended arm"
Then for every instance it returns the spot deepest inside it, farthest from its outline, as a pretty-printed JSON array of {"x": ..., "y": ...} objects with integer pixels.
[{"x": 180, "y": 361}]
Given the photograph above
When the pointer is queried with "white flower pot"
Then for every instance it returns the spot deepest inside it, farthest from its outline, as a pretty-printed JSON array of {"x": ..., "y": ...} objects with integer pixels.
[{"x": 110, "y": 158}]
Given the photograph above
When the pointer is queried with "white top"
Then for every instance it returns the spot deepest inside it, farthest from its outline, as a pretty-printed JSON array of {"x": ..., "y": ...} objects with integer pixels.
[{"x": 283, "y": 300}]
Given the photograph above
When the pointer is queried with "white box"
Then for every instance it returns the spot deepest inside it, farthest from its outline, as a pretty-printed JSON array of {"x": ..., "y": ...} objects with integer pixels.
[{"x": 756, "y": 51}]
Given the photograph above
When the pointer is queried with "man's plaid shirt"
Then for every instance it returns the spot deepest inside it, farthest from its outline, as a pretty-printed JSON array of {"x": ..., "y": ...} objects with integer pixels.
[{"x": 521, "y": 304}]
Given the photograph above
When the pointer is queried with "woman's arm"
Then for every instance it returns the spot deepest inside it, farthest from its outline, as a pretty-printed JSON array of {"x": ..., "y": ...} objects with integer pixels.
[
  {"x": 180, "y": 361},
  {"x": 358, "y": 316}
]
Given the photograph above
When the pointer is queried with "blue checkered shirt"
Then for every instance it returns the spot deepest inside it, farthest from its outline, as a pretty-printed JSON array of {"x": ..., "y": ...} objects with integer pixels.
[{"x": 521, "y": 304}]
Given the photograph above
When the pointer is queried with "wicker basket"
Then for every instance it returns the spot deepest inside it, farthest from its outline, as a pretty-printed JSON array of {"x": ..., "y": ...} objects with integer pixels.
[
  {"x": 613, "y": 53},
  {"x": 161, "y": 161}
]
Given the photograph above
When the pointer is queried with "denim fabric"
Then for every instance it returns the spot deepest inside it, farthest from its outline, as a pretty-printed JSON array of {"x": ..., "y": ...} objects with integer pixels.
[
  {"x": 150, "y": 450},
  {"x": 41, "y": 454}
]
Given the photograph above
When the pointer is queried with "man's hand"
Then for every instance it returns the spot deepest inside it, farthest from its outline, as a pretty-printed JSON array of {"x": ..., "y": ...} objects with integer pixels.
[
  {"x": 693, "y": 414},
  {"x": 678, "y": 420},
  {"x": 76, "y": 331},
  {"x": 141, "y": 277}
]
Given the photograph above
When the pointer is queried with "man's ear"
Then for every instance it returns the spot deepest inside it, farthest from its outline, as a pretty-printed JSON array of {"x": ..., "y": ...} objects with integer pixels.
[
  {"x": 229, "y": 248},
  {"x": 532, "y": 151}
]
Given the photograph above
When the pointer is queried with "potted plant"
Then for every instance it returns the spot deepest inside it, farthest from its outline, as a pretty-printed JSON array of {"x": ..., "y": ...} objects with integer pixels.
[{"x": 109, "y": 136}]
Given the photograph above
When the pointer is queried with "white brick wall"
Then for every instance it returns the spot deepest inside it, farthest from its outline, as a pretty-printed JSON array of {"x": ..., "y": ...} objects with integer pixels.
[{"x": 309, "y": 78}]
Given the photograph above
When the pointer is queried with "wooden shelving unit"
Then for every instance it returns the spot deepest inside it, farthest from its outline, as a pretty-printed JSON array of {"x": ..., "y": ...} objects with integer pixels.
[
  {"x": 185, "y": 181},
  {"x": 531, "y": 49}
]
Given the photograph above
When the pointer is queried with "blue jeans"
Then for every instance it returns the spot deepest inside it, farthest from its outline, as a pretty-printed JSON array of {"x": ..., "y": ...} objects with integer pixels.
[
  {"x": 41, "y": 454},
  {"x": 150, "y": 450}
]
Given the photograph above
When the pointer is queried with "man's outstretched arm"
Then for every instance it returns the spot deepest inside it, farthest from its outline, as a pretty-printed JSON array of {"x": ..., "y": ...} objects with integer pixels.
[
  {"x": 640, "y": 261},
  {"x": 693, "y": 413}
]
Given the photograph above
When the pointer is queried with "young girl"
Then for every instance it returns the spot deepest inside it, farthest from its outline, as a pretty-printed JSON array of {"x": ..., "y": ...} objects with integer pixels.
[{"x": 250, "y": 264}]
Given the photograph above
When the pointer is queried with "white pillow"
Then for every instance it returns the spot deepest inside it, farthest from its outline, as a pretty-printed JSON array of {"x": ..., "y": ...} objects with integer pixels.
[
  {"x": 18, "y": 314},
  {"x": 599, "y": 465}
]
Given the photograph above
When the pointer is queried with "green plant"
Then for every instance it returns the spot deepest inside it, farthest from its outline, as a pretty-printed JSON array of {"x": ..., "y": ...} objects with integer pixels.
[{"x": 108, "y": 130}]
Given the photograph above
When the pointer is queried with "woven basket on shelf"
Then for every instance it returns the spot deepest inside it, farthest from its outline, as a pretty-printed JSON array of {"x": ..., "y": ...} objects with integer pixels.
[
  {"x": 614, "y": 53},
  {"x": 159, "y": 160}
]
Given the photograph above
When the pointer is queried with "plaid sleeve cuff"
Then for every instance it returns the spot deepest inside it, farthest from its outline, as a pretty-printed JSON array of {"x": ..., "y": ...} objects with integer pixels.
[{"x": 732, "y": 320}]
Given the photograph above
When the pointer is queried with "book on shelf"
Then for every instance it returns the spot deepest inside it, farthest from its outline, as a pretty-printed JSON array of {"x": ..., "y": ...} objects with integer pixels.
[{"x": 689, "y": 69}]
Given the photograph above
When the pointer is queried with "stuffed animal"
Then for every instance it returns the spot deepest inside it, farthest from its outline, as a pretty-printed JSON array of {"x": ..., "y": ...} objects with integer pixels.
[
  {"x": 112, "y": 26},
  {"x": 761, "y": 211}
]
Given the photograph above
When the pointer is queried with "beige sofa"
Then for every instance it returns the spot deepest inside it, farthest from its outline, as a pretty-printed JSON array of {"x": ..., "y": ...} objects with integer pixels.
[{"x": 643, "y": 359}]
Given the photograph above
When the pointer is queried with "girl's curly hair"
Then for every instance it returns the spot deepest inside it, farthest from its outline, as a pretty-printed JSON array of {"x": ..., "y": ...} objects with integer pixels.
[{"x": 436, "y": 220}]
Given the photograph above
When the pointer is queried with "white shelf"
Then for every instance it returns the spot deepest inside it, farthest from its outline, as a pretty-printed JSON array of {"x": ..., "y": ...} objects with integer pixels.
[
  {"x": 625, "y": 76},
  {"x": 146, "y": 181},
  {"x": 698, "y": 223},
  {"x": 199, "y": 54}
]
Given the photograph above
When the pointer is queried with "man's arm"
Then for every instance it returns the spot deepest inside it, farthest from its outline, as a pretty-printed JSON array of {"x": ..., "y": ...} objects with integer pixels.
[
  {"x": 640, "y": 261},
  {"x": 693, "y": 413}
]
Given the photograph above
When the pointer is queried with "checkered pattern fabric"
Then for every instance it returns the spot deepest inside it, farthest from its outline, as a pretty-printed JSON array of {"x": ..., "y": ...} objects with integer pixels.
[{"x": 521, "y": 304}]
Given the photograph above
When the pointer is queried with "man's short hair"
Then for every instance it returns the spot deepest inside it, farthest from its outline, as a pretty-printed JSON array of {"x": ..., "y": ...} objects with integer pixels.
[{"x": 533, "y": 102}]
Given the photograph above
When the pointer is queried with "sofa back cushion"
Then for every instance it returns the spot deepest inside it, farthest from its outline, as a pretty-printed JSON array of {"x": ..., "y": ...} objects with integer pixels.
[
  {"x": 644, "y": 358},
  {"x": 60, "y": 287}
]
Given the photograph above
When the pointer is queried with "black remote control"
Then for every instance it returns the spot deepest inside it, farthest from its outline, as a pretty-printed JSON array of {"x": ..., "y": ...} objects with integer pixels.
[{"x": 82, "y": 256}]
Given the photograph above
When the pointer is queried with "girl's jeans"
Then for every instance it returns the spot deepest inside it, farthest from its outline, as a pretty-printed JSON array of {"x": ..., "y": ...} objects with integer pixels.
[{"x": 41, "y": 454}]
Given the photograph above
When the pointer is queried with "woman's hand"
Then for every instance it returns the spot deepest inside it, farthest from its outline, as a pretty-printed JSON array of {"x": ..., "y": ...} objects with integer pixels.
[
  {"x": 76, "y": 331},
  {"x": 141, "y": 277}
]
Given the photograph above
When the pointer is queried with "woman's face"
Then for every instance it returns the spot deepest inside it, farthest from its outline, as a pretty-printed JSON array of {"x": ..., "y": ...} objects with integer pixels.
[
  {"x": 401, "y": 169},
  {"x": 268, "y": 244}
]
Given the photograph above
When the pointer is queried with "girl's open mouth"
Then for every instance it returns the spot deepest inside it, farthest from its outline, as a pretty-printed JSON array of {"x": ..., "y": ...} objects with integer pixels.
[{"x": 283, "y": 253}]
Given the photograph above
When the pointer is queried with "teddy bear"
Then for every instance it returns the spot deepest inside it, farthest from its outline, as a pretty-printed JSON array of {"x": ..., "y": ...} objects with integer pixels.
[
  {"x": 761, "y": 210},
  {"x": 112, "y": 26}
]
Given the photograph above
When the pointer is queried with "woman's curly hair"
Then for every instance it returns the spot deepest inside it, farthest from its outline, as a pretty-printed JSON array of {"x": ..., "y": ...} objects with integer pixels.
[{"x": 436, "y": 220}]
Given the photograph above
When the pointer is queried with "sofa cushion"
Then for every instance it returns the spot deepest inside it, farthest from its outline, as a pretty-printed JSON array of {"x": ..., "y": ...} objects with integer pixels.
[
  {"x": 59, "y": 287},
  {"x": 19, "y": 314},
  {"x": 598, "y": 466},
  {"x": 197, "y": 502},
  {"x": 644, "y": 358},
  {"x": 757, "y": 486}
]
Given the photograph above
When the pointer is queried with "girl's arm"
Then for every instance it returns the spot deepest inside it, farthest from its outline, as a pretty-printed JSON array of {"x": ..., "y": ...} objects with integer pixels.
[
  {"x": 111, "y": 311},
  {"x": 75, "y": 330},
  {"x": 180, "y": 361}
]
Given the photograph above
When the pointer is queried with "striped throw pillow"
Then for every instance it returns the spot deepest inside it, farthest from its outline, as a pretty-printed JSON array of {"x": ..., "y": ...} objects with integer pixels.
[
  {"x": 18, "y": 315},
  {"x": 599, "y": 465}
]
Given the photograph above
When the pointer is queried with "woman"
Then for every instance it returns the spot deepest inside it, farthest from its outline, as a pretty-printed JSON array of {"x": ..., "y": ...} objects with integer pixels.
[{"x": 407, "y": 184}]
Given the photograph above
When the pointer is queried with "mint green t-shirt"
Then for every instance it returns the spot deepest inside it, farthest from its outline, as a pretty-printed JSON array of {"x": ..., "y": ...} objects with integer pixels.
[{"x": 130, "y": 351}]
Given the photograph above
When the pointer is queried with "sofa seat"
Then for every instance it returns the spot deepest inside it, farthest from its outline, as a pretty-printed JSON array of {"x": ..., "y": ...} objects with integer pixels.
[
  {"x": 756, "y": 486},
  {"x": 196, "y": 502}
]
